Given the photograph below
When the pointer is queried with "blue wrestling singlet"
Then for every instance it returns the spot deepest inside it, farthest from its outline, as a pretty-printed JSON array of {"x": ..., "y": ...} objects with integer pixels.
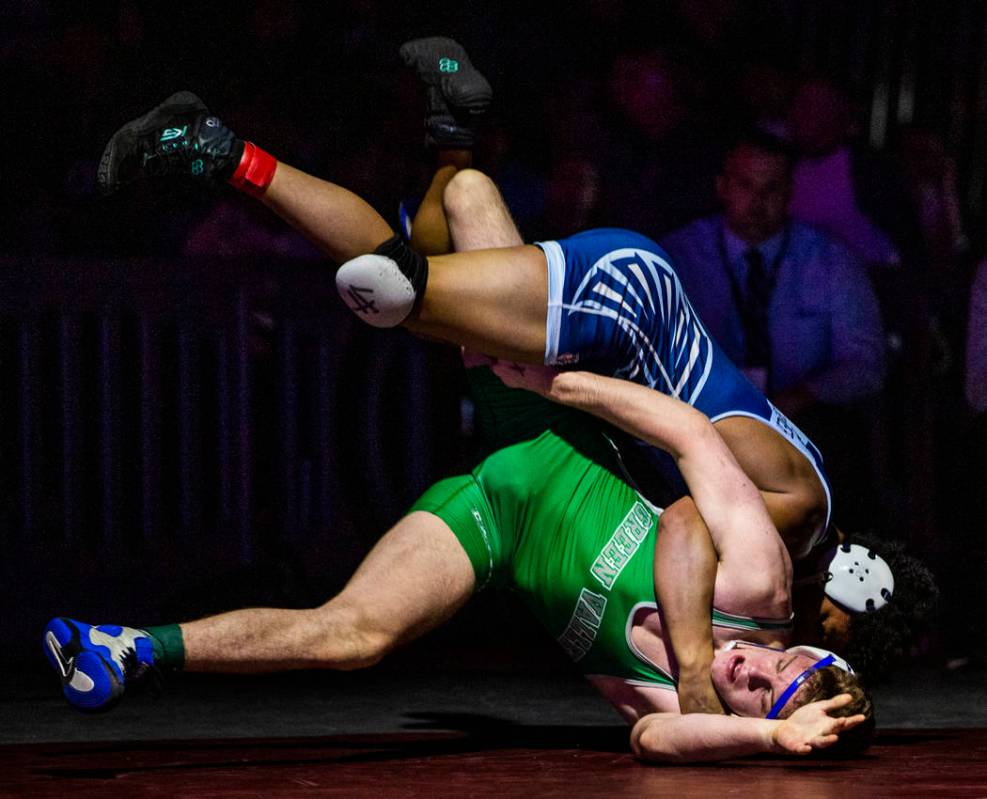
[{"x": 616, "y": 307}]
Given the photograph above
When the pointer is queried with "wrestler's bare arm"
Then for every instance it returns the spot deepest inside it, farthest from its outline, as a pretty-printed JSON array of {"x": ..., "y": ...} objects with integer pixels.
[
  {"x": 792, "y": 491},
  {"x": 755, "y": 572},
  {"x": 664, "y": 735},
  {"x": 670, "y": 737},
  {"x": 749, "y": 566},
  {"x": 685, "y": 568}
]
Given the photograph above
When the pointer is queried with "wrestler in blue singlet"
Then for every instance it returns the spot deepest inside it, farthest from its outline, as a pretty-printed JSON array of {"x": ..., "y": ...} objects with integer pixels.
[{"x": 616, "y": 306}]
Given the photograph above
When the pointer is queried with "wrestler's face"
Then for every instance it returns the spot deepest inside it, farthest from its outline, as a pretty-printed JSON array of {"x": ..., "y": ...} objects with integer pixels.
[
  {"x": 749, "y": 679},
  {"x": 834, "y": 623},
  {"x": 819, "y": 621},
  {"x": 754, "y": 189}
]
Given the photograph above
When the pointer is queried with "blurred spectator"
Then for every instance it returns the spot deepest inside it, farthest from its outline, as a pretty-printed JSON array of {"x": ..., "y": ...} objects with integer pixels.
[
  {"x": 710, "y": 22},
  {"x": 860, "y": 198},
  {"x": 931, "y": 175},
  {"x": 502, "y": 153},
  {"x": 660, "y": 163},
  {"x": 789, "y": 304},
  {"x": 823, "y": 323},
  {"x": 963, "y": 547},
  {"x": 764, "y": 93},
  {"x": 842, "y": 187},
  {"x": 976, "y": 343},
  {"x": 573, "y": 189},
  {"x": 572, "y": 198}
]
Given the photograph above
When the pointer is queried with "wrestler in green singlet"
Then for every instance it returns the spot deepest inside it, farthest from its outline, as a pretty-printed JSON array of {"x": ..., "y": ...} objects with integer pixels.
[{"x": 550, "y": 517}]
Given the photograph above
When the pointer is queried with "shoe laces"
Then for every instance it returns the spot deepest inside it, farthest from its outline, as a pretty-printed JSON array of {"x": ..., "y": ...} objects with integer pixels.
[{"x": 168, "y": 158}]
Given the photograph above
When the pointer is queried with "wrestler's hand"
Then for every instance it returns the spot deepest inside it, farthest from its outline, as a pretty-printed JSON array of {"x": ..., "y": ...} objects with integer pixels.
[
  {"x": 811, "y": 727},
  {"x": 697, "y": 694},
  {"x": 524, "y": 375}
]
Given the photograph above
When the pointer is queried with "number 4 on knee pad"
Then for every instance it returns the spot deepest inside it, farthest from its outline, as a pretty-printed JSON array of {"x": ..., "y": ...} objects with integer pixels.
[{"x": 384, "y": 287}]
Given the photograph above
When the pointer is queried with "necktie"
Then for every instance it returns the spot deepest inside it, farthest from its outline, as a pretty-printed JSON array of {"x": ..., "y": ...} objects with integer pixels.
[{"x": 757, "y": 298}]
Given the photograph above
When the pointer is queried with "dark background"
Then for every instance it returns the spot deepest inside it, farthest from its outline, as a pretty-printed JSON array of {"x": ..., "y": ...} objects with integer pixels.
[{"x": 190, "y": 421}]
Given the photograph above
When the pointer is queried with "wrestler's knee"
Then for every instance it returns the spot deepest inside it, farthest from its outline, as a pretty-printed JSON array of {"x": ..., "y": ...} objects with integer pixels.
[
  {"x": 478, "y": 217},
  {"x": 468, "y": 190},
  {"x": 383, "y": 287}
]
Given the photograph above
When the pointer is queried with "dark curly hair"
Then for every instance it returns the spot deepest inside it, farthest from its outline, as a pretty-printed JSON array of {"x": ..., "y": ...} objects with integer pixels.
[{"x": 877, "y": 638}]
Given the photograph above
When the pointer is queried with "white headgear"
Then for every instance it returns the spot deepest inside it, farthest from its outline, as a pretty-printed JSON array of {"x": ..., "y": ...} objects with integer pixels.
[{"x": 858, "y": 579}]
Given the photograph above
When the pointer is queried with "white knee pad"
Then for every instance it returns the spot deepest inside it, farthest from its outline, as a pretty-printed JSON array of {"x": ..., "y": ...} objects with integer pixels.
[{"x": 376, "y": 290}]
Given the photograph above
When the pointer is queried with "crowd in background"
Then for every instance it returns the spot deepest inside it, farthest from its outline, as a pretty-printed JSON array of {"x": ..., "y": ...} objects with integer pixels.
[{"x": 839, "y": 277}]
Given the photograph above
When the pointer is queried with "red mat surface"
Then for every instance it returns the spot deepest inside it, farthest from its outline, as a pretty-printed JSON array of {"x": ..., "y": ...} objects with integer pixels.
[{"x": 901, "y": 763}]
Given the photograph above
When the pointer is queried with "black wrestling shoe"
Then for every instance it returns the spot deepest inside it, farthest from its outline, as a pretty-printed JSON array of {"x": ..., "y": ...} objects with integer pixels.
[
  {"x": 179, "y": 137},
  {"x": 457, "y": 94}
]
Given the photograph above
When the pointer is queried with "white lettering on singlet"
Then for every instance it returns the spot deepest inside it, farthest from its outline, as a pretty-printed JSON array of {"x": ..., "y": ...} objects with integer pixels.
[
  {"x": 622, "y": 545},
  {"x": 580, "y": 632},
  {"x": 583, "y": 626}
]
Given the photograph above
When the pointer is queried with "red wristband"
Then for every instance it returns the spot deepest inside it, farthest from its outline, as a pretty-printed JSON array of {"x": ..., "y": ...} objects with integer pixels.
[{"x": 255, "y": 171}]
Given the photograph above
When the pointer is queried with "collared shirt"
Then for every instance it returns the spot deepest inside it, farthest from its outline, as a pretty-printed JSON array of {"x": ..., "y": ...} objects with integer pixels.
[
  {"x": 976, "y": 343},
  {"x": 825, "y": 325},
  {"x": 736, "y": 248}
]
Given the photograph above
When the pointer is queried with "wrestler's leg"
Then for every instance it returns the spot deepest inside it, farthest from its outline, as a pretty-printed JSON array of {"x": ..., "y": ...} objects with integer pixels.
[
  {"x": 462, "y": 210},
  {"x": 414, "y": 579},
  {"x": 483, "y": 296},
  {"x": 179, "y": 137},
  {"x": 490, "y": 303},
  {"x": 477, "y": 215},
  {"x": 491, "y": 300},
  {"x": 491, "y": 295},
  {"x": 430, "y": 233},
  {"x": 336, "y": 220}
]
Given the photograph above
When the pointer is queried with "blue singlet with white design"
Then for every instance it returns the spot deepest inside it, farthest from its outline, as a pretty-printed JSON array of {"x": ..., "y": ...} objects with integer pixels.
[{"x": 616, "y": 307}]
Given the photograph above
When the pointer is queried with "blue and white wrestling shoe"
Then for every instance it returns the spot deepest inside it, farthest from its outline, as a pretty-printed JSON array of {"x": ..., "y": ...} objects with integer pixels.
[{"x": 96, "y": 663}]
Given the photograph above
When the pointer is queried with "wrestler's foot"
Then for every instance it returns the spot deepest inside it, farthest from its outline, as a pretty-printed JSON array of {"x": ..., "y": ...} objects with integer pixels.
[
  {"x": 96, "y": 664},
  {"x": 457, "y": 94},
  {"x": 179, "y": 137}
]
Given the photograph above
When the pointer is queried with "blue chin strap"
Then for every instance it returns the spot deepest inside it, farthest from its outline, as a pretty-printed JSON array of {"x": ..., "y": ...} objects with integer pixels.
[{"x": 787, "y": 694}]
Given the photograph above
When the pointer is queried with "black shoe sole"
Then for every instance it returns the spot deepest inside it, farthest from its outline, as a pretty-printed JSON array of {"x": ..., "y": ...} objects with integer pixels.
[{"x": 466, "y": 90}]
